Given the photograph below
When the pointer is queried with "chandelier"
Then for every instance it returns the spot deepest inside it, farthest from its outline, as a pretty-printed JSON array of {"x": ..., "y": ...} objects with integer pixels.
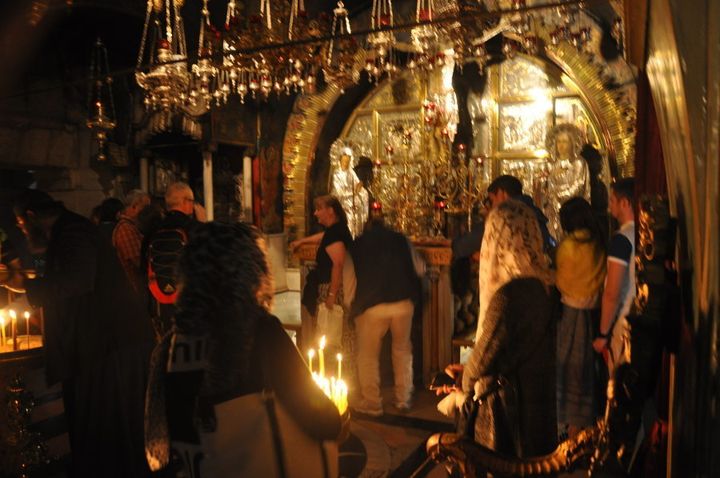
[
  {"x": 280, "y": 49},
  {"x": 167, "y": 79},
  {"x": 101, "y": 104},
  {"x": 380, "y": 59}
]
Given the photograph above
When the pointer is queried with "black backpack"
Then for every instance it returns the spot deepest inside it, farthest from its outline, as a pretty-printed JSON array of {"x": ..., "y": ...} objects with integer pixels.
[{"x": 163, "y": 256}]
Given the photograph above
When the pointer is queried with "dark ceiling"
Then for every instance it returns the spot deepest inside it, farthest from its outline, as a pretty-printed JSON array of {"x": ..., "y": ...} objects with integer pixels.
[{"x": 57, "y": 50}]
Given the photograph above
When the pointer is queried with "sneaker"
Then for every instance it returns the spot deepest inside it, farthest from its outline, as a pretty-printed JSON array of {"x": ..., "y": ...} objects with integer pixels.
[{"x": 366, "y": 409}]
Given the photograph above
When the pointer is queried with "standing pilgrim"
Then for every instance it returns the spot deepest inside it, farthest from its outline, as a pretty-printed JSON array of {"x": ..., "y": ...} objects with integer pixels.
[
  {"x": 348, "y": 188},
  {"x": 97, "y": 337},
  {"x": 567, "y": 175}
]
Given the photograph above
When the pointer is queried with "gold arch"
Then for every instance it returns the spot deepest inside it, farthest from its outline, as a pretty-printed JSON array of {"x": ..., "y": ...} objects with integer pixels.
[
  {"x": 615, "y": 113},
  {"x": 301, "y": 136}
]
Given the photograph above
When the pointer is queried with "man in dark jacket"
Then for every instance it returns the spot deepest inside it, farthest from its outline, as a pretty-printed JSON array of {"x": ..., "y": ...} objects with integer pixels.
[
  {"x": 162, "y": 251},
  {"x": 387, "y": 289},
  {"x": 97, "y": 339}
]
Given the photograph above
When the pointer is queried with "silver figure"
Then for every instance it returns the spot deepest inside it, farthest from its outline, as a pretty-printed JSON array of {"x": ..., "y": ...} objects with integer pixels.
[
  {"x": 567, "y": 174},
  {"x": 347, "y": 187}
]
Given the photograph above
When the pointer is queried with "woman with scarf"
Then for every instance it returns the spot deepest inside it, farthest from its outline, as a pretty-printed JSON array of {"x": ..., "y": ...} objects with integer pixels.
[{"x": 509, "y": 380}]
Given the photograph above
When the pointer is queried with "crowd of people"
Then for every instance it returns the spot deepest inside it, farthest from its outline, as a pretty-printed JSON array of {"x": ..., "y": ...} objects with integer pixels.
[
  {"x": 158, "y": 324},
  {"x": 552, "y": 325}
]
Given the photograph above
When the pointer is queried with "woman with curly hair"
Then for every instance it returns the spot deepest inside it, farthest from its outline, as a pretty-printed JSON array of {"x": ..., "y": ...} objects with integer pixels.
[{"x": 224, "y": 346}]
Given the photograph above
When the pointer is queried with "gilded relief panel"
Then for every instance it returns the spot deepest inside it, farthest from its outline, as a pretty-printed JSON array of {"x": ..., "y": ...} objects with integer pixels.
[
  {"x": 523, "y": 127},
  {"x": 519, "y": 76}
]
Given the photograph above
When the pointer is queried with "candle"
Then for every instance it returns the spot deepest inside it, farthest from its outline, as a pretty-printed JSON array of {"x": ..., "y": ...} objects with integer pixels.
[
  {"x": 2, "y": 328},
  {"x": 13, "y": 328},
  {"x": 26, "y": 314},
  {"x": 339, "y": 362},
  {"x": 321, "y": 356},
  {"x": 311, "y": 354},
  {"x": 341, "y": 397}
]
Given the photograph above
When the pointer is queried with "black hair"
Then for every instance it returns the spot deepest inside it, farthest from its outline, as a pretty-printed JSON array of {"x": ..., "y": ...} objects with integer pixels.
[
  {"x": 334, "y": 203},
  {"x": 109, "y": 209},
  {"x": 575, "y": 214},
  {"x": 624, "y": 188},
  {"x": 510, "y": 184},
  {"x": 39, "y": 202},
  {"x": 222, "y": 268}
]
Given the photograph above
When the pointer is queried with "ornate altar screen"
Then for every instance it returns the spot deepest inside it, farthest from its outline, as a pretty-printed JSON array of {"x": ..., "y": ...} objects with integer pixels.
[{"x": 523, "y": 100}]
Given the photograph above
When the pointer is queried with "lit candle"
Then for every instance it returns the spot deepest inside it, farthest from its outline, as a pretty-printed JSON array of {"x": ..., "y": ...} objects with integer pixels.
[
  {"x": 311, "y": 355},
  {"x": 13, "y": 328},
  {"x": 339, "y": 362},
  {"x": 321, "y": 356},
  {"x": 342, "y": 397},
  {"x": 2, "y": 328},
  {"x": 27, "y": 326}
]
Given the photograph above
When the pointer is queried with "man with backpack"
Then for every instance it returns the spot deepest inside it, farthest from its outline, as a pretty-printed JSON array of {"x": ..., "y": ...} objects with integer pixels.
[{"x": 163, "y": 249}]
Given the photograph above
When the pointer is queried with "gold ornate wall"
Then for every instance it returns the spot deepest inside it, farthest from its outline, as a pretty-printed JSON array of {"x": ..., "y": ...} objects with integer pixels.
[{"x": 613, "y": 111}]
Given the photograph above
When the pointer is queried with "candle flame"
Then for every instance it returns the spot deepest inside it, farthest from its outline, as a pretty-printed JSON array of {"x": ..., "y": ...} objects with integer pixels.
[
  {"x": 26, "y": 315},
  {"x": 339, "y": 357},
  {"x": 13, "y": 315},
  {"x": 311, "y": 353},
  {"x": 322, "y": 342}
]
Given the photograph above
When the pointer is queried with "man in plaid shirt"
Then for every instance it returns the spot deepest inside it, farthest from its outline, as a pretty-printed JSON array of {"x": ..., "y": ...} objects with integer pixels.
[{"x": 127, "y": 238}]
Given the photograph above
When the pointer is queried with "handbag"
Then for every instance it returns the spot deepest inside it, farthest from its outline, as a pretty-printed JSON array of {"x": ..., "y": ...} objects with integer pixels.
[
  {"x": 330, "y": 323},
  {"x": 255, "y": 436},
  {"x": 310, "y": 292}
]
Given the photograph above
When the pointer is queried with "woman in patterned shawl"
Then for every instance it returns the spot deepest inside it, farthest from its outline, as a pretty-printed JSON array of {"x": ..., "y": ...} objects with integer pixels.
[
  {"x": 512, "y": 247},
  {"x": 509, "y": 379}
]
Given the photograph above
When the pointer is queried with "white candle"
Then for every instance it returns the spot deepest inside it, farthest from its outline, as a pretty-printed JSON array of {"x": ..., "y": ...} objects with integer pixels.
[
  {"x": 26, "y": 314},
  {"x": 321, "y": 356},
  {"x": 13, "y": 328},
  {"x": 339, "y": 362},
  {"x": 2, "y": 328},
  {"x": 311, "y": 355}
]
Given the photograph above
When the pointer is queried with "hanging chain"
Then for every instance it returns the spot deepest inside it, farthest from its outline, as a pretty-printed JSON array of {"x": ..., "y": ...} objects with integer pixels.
[
  {"x": 168, "y": 23},
  {"x": 143, "y": 40},
  {"x": 266, "y": 12},
  {"x": 231, "y": 12},
  {"x": 424, "y": 10}
]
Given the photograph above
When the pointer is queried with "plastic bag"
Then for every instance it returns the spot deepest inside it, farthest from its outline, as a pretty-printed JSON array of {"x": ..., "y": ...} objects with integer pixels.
[{"x": 330, "y": 324}]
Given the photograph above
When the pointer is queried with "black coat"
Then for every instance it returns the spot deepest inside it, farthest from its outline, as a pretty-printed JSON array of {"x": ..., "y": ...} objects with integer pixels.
[
  {"x": 518, "y": 344},
  {"x": 89, "y": 307}
]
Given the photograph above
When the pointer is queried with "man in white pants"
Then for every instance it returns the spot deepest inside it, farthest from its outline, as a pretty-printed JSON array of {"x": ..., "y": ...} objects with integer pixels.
[{"x": 387, "y": 289}]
